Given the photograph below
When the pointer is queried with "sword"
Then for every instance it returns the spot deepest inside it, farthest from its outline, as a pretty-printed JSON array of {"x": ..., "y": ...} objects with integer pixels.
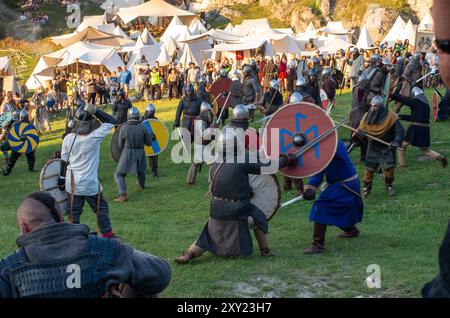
[
  {"x": 264, "y": 118},
  {"x": 350, "y": 149},
  {"x": 296, "y": 199},
  {"x": 182, "y": 140},
  {"x": 330, "y": 108},
  {"x": 223, "y": 108},
  {"x": 317, "y": 139}
]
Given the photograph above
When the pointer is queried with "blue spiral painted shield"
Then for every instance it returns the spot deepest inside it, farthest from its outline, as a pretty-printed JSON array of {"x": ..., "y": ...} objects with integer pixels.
[{"x": 23, "y": 138}]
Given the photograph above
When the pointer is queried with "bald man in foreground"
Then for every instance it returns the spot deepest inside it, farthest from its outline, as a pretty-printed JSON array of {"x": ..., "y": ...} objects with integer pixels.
[{"x": 62, "y": 260}]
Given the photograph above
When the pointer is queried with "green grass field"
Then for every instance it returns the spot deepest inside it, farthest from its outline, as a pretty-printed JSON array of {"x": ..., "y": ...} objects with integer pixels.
[{"x": 401, "y": 234}]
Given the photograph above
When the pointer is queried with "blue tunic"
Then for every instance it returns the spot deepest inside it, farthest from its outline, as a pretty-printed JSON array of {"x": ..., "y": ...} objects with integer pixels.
[{"x": 339, "y": 204}]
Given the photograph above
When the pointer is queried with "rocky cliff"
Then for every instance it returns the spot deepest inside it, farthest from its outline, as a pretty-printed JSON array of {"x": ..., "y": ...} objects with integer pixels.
[{"x": 379, "y": 15}]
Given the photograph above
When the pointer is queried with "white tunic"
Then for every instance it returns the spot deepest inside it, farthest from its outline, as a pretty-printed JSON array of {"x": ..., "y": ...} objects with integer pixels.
[{"x": 84, "y": 160}]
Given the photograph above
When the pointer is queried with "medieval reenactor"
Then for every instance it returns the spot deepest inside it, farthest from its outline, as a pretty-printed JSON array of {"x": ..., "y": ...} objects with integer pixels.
[
  {"x": 235, "y": 91},
  {"x": 384, "y": 124},
  {"x": 357, "y": 66},
  {"x": 133, "y": 136},
  {"x": 412, "y": 72},
  {"x": 152, "y": 160},
  {"x": 313, "y": 87},
  {"x": 76, "y": 102},
  {"x": 48, "y": 248},
  {"x": 189, "y": 106},
  {"x": 328, "y": 84},
  {"x": 201, "y": 90},
  {"x": 370, "y": 81},
  {"x": 223, "y": 73},
  {"x": 80, "y": 158},
  {"x": 203, "y": 121},
  {"x": 273, "y": 99},
  {"x": 301, "y": 86},
  {"x": 31, "y": 157},
  {"x": 227, "y": 231},
  {"x": 270, "y": 73},
  {"x": 418, "y": 133},
  {"x": 40, "y": 120},
  {"x": 377, "y": 75},
  {"x": 120, "y": 107},
  {"x": 340, "y": 204},
  {"x": 251, "y": 90}
]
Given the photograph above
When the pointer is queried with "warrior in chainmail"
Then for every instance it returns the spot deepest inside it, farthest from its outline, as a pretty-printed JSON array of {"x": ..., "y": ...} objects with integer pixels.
[{"x": 384, "y": 124}]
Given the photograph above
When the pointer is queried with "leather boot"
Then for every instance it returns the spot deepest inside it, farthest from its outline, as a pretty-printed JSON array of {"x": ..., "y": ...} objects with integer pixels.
[
  {"x": 263, "y": 244},
  {"x": 287, "y": 184},
  {"x": 121, "y": 199},
  {"x": 348, "y": 232},
  {"x": 390, "y": 189},
  {"x": 318, "y": 242},
  {"x": 187, "y": 256},
  {"x": 298, "y": 183},
  {"x": 367, "y": 188}
]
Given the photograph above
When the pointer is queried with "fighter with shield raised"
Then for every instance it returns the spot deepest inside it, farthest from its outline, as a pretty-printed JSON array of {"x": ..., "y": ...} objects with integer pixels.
[{"x": 133, "y": 136}]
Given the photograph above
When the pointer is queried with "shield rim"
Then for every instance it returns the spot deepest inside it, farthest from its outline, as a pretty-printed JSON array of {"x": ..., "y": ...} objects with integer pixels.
[
  {"x": 335, "y": 133},
  {"x": 214, "y": 96},
  {"x": 41, "y": 179},
  {"x": 110, "y": 142},
  {"x": 27, "y": 124},
  {"x": 168, "y": 136}
]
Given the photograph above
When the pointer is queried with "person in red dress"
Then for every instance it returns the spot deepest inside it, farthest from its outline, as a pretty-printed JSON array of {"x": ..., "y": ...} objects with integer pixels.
[{"x": 282, "y": 73}]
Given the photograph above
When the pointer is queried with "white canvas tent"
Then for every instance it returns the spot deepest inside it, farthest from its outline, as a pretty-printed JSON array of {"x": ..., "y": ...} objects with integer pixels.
[
  {"x": 111, "y": 6},
  {"x": 229, "y": 28},
  {"x": 119, "y": 32},
  {"x": 364, "y": 40},
  {"x": 196, "y": 47},
  {"x": 397, "y": 32},
  {"x": 78, "y": 53},
  {"x": 146, "y": 38},
  {"x": 336, "y": 30},
  {"x": 287, "y": 31},
  {"x": 197, "y": 28},
  {"x": 154, "y": 8},
  {"x": 176, "y": 30},
  {"x": 426, "y": 24},
  {"x": 92, "y": 21},
  {"x": 91, "y": 35},
  {"x": 334, "y": 45},
  {"x": 170, "y": 45},
  {"x": 164, "y": 58},
  {"x": 6, "y": 68},
  {"x": 410, "y": 32},
  {"x": 252, "y": 26},
  {"x": 7, "y": 79}
]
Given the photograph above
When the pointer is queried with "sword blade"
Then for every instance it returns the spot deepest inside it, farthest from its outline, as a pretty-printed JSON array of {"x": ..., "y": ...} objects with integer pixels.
[{"x": 296, "y": 199}]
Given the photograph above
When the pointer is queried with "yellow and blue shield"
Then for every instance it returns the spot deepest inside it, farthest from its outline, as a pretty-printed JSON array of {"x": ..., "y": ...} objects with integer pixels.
[
  {"x": 159, "y": 129},
  {"x": 23, "y": 138}
]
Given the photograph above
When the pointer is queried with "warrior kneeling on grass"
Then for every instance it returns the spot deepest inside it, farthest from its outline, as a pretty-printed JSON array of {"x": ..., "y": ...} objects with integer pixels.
[{"x": 227, "y": 231}]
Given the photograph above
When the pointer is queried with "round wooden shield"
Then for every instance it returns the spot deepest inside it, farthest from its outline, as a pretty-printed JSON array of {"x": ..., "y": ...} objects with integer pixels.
[
  {"x": 48, "y": 182},
  {"x": 435, "y": 106},
  {"x": 266, "y": 194},
  {"x": 309, "y": 120},
  {"x": 220, "y": 86},
  {"x": 5, "y": 118},
  {"x": 116, "y": 150},
  {"x": 29, "y": 135},
  {"x": 159, "y": 129}
]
